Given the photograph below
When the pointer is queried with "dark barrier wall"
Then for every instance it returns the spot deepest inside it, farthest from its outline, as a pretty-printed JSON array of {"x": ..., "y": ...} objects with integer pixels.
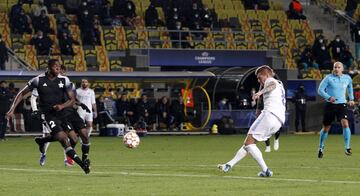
[{"x": 158, "y": 57}]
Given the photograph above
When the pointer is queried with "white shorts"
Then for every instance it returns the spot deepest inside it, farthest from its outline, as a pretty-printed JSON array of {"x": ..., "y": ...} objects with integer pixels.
[
  {"x": 87, "y": 117},
  {"x": 264, "y": 126},
  {"x": 45, "y": 129}
]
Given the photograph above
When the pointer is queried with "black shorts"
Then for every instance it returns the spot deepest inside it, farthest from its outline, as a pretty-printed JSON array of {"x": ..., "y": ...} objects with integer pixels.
[
  {"x": 334, "y": 110},
  {"x": 73, "y": 122},
  {"x": 52, "y": 121}
]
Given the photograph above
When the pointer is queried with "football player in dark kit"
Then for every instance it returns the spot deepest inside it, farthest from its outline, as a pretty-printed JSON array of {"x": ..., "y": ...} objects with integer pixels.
[
  {"x": 74, "y": 125},
  {"x": 52, "y": 88}
]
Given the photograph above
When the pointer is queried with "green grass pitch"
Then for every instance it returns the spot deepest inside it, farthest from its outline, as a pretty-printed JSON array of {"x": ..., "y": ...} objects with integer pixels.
[{"x": 182, "y": 165}]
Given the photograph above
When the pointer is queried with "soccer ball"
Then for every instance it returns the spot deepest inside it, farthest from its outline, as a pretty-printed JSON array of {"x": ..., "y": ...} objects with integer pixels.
[{"x": 131, "y": 139}]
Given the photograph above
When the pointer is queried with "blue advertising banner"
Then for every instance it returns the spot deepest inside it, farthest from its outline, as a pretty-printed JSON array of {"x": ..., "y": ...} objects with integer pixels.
[{"x": 229, "y": 58}]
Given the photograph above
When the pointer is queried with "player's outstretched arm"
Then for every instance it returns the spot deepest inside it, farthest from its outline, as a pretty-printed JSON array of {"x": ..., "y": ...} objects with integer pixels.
[{"x": 16, "y": 101}]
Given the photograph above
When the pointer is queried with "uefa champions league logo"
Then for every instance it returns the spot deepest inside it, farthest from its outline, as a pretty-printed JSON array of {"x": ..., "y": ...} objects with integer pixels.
[{"x": 205, "y": 58}]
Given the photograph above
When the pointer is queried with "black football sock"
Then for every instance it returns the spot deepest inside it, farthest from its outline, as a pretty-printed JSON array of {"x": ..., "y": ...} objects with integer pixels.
[
  {"x": 85, "y": 148},
  {"x": 267, "y": 142},
  {"x": 277, "y": 135},
  {"x": 72, "y": 154}
]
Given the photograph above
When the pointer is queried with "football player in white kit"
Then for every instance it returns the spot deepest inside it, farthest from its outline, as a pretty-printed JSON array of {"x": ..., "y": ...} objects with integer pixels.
[
  {"x": 270, "y": 120},
  {"x": 86, "y": 96},
  {"x": 45, "y": 130}
]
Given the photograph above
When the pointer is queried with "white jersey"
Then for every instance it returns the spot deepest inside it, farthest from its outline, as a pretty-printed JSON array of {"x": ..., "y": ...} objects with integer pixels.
[
  {"x": 86, "y": 96},
  {"x": 275, "y": 100},
  {"x": 34, "y": 92}
]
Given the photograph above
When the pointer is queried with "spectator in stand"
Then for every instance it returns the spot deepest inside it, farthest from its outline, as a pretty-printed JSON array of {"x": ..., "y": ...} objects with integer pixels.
[
  {"x": 105, "y": 14},
  {"x": 172, "y": 16},
  {"x": 249, "y": 4},
  {"x": 262, "y": 5},
  {"x": 318, "y": 41},
  {"x": 322, "y": 56},
  {"x": 98, "y": 6},
  {"x": 5, "y": 102},
  {"x": 42, "y": 23},
  {"x": 337, "y": 47},
  {"x": 194, "y": 15},
  {"x": 223, "y": 104},
  {"x": 42, "y": 43},
  {"x": 177, "y": 109},
  {"x": 89, "y": 31},
  {"x": 4, "y": 57},
  {"x": 117, "y": 7},
  {"x": 15, "y": 11},
  {"x": 86, "y": 20},
  {"x": 63, "y": 28},
  {"x": 100, "y": 106},
  {"x": 39, "y": 8},
  {"x": 307, "y": 59},
  {"x": 163, "y": 112},
  {"x": 296, "y": 11},
  {"x": 355, "y": 36},
  {"x": 347, "y": 58},
  {"x": 89, "y": 6},
  {"x": 145, "y": 110},
  {"x": 196, "y": 26},
  {"x": 243, "y": 99},
  {"x": 66, "y": 44},
  {"x": 21, "y": 23},
  {"x": 207, "y": 17},
  {"x": 125, "y": 110},
  {"x": 350, "y": 7},
  {"x": 71, "y": 7},
  {"x": 321, "y": 53},
  {"x": 151, "y": 16},
  {"x": 179, "y": 38},
  {"x": 129, "y": 13},
  {"x": 97, "y": 32}
]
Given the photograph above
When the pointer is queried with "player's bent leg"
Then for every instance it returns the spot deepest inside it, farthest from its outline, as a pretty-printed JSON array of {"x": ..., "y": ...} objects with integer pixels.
[
  {"x": 323, "y": 136},
  {"x": 268, "y": 147},
  {"x": 43, "y": 146},
  {"x": 347, "y": 136},
  {"x": 73, "y": 138},
  {"x": 276, "y": 140},
  {"x": 240, "y": 154},
  {"x": 64, "y": 140},
  {"x": 254, "y": 151},
  {"x": 85, "y": 146},
  {"x": 89, "y": 127}
]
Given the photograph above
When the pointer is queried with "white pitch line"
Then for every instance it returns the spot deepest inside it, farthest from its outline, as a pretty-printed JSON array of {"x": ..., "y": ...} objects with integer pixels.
[
  {"x": 184, "y": 175},
  {"x": 241, "y": 166}
]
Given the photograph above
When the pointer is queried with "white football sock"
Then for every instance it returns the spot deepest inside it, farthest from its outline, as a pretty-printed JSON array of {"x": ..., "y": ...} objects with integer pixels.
[
  {"x": 90, "y": 129},
  {"x": 276, "y": 144},
  {"x": 241, "y": 153},
  {"x": 46, "y": 146},
  {"x": 268, "y": 149},
  {"x": 257, "y": 155}
]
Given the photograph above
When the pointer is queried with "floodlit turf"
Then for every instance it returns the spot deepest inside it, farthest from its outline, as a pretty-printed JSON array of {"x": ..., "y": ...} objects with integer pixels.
[{"x": 182, "y": 165}]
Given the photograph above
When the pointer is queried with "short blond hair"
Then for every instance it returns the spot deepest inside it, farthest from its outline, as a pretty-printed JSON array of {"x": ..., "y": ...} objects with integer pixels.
[{"x": 265, "y": 68}]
